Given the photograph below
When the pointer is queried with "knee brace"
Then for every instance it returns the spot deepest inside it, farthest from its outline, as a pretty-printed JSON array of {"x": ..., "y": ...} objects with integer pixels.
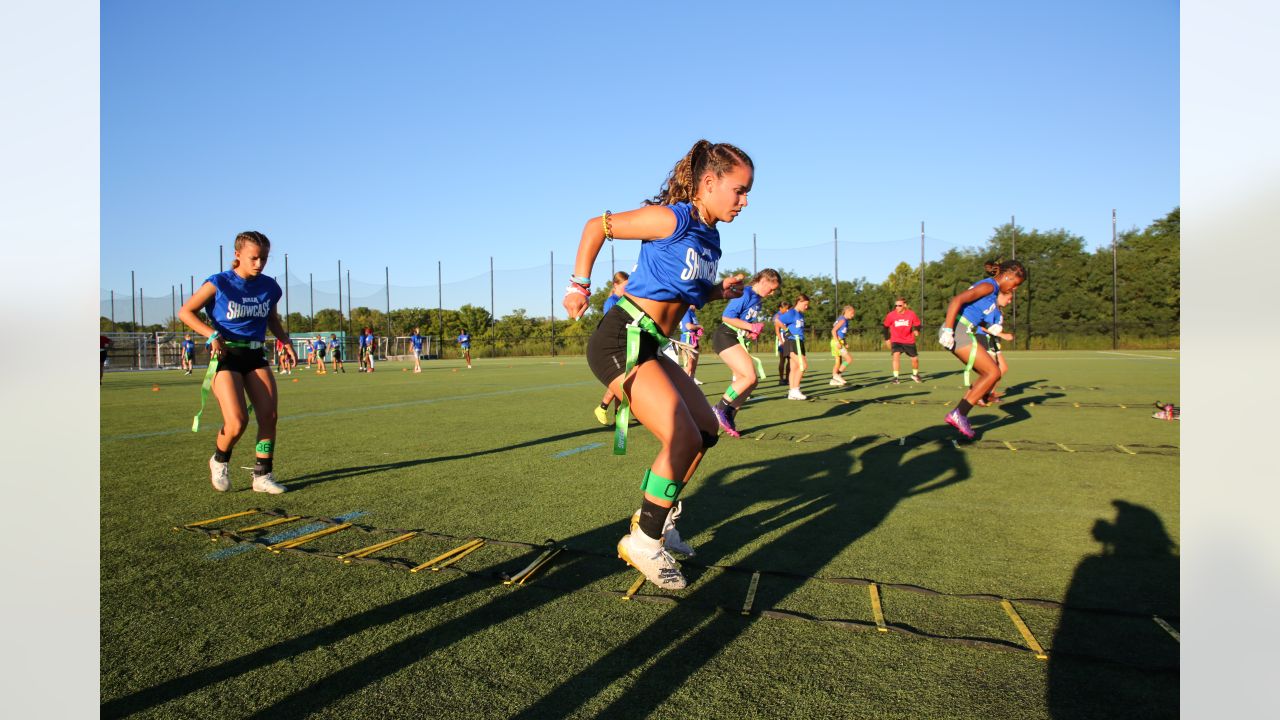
[{"x": 709, "y": 440}]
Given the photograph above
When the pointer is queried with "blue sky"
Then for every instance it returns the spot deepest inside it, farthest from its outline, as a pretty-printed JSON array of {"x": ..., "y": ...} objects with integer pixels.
[{"x": 404, "y": 133}]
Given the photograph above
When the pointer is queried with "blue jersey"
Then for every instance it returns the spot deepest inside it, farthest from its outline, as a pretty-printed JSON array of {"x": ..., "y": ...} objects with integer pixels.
[
  {"x": 978, "y": 310},
  {"x": 745, "y": 308},
  {"x": 240, "y": 308},
  {"x": 465, "y": 341},
  {"x": 416, "y": 339},
  {"x": 995, "y": 318},
  {"x": 681, "y": 267},
  {"x": 686, "y": 335},
  {"x": 320, "y": 346},
  {"x": 794, "y": 320},
  {"x": 609, "y": 302},
  {"x": 841, "y": 327},
  {"x": 364, "y": 340},
  {"x": 188, "y": 347}
]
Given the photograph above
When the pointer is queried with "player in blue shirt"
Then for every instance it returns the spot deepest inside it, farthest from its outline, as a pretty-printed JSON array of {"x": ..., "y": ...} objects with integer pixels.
[
  {"x": 990, "y": 333},
  {"x": 240, "y": 305},
  {"x": 970, "y": 308},
  {"x": 780, "y": 344},
  {"x": 464, "y": 343},
  {"x": 337, "y": 353},
  {"x": 321, "y": 349},
  {"x": 188, "y": 353},
  {"x": 741, "y": 321},
  {"x": 416, "y": 341},
  {"x": 677, "y": 268},
  {"x": 839, "y": 350},
  {"x": 619, "y": 288},
  {"x": 690, "y": 335},
  {"x": 794, "y": 348}
]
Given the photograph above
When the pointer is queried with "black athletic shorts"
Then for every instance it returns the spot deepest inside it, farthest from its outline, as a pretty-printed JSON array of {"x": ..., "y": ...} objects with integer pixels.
[
  {"x": 908, "y": 348},
  {"x": 322, "y": 353},
  {"x": 242, "y": 360},
  {"x": 794, "y": 345},
  {"x": 337, "y": 352},
  {"x": 607, "y": 348},
  {"x": 723, "y": 338}
]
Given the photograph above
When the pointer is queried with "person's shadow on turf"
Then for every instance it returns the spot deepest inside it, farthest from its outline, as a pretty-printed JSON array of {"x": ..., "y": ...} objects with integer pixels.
[
  {"x": 1122, "y": 662},
  {"x": 819, "y": 503}
]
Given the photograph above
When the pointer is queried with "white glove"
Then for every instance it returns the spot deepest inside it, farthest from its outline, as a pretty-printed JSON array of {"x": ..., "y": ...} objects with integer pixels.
[
  {"x": 947, "y": 338},
  {"x": 995, "y": 329}
]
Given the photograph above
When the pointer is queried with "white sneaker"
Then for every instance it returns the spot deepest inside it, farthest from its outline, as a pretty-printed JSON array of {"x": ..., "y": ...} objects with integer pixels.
[
  {"x": 654, "y": 562},
  {"x": 671, "y": 539},
  {"x": 267, "y": 484},
  {"x": 219, "y": 475},
  {"x": 795, "y": 394},
  {"x": 835, "y": 382},
  {"x": 696, "y": 381}
]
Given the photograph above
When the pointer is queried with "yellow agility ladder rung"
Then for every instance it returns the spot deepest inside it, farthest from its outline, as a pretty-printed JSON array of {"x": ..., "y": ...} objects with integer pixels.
[
  {"x": 295, "y": 542},
  {"x": 751, "y": 593},
  {"x": 876, "y": 610},
  {"x": 1022, "y": 628},
  {"x": 531, "y": 571},
  {"x": 202, "y": 523},
  {"x": 371, "y": 549},
  {"x": 635, "y": 587},
  {"x": 270, "y": 523},
  {"x": 473, "y": 542},
  {"x": 437, "y": 568}
]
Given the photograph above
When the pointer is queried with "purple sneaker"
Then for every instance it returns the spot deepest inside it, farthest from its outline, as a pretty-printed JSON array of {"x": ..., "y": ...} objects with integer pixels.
[
  {"x": 725, "y": 420},
  {"x": 960, "y": 422}
]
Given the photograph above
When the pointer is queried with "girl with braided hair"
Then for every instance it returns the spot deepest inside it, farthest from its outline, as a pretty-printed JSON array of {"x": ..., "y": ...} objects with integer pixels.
[
  {"x": 241, "y": 305},
  {"x": 971, "y": 308},
  {"x": 677, "y": 268}
]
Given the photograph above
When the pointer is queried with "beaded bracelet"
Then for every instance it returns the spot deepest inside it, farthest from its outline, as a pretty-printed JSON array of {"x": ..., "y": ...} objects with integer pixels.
[
  {"x": 608, "y": 231},
  {"x": 580, "y": 280}
]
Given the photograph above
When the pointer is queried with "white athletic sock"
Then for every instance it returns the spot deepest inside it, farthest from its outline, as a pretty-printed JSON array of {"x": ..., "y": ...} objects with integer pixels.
[{"x": 643, "y": 542}]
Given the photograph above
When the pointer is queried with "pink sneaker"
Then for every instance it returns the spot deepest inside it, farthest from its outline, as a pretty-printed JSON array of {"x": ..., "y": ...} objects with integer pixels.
[
  {"x": 960, "y": 422},
  {"x": 726, "y": 422}
]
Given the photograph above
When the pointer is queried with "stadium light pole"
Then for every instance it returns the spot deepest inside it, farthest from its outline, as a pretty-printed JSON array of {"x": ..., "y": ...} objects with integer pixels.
[
  {"x": 286, "y": 294},
  {"x": 387, "y": 269},
  {"x": 220, "y": 268},
  {"x": 921, "y": 271},
  {"x": 340, "y": 314},
  {"x": 835, "y": 268},
  {"x": 440, "y": 308},
  {"x": 1115, "y": 284},
  {"x": 173, "y": 307},
  {"x": 553, "y": 303},
  {"x": 133, "y": 299}
]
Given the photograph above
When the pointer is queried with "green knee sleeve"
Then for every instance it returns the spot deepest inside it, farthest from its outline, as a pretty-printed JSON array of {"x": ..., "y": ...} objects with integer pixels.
[
  {"x": 660, "y": 487},
  {"x": 265, "y": 446}
]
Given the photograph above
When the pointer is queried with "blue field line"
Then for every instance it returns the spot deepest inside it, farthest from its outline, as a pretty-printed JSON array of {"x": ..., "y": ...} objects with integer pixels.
[
  {"x": 575, "y": 451},
  {"x": 238, "y": 548},
  {"x": 363, "y": 408}
]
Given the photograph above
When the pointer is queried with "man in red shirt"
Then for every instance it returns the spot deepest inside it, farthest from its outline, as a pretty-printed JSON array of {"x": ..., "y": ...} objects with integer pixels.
[{"x": 904, "y": 327}]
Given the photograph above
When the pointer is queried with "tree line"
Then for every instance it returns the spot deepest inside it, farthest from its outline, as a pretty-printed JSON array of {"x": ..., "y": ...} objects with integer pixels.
[{"x": 1067, "y": 300}]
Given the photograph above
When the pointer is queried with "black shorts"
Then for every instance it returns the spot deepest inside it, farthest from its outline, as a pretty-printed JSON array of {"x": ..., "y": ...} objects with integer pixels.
[
  {"x": 993, "y": 343},
  {"x": 337, "y": 352},
  {"x": 242, "y": 360},
  {"x": 723, "y": 338},
  {"x": 794, "y": 345},
  {"x": 908, "y": 348},
  {"x": 322, "y": 353},
  {"x": 607, "y": 347}
]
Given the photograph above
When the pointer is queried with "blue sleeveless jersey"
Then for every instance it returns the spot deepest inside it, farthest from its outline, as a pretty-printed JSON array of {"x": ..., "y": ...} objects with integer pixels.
[
  {"x": 745, "y": 308},
  {"x": 979, "y": 309},
  {"x": 995, "y": 318},
  {"x": 844, "y": 326},
  {"x": 416, "y": 339},
  {"x": 680, "y": 267},
  {"x": 465, "y": 341},
  {"x": 609, "y": 302},
  {"x": 240, "y": 308},
  {"x": 794, "y": 320}
]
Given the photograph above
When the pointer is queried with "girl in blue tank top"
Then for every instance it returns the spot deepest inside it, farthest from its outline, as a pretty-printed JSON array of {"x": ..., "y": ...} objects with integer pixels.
[
  {"x": 240, "y": 305},
  {"x": 677, "y": 268},
  {"x": 969, "y": 308},
  {"x": 742, "y": 320}
]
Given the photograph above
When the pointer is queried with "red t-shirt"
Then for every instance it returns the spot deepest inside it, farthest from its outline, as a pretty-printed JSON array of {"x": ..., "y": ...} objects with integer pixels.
[
  {"x": 900, "y": 325},
  {"x": 103, "y": 342}
]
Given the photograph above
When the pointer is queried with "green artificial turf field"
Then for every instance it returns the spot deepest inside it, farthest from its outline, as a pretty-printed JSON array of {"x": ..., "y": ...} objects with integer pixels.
[{"x": 1069, "y": 497}]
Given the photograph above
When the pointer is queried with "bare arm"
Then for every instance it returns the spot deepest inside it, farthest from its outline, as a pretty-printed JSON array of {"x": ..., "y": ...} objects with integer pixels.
[
  {"x": 647, "y": 223},
  {"x": 964, "y": 298}
]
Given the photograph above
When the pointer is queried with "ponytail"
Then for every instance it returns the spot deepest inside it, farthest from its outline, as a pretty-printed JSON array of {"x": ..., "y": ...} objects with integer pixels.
[{"x": 682, "y": 184}]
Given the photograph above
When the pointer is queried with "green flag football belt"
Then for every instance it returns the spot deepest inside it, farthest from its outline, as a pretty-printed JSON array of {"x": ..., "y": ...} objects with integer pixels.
[
  {"x": 742, "y": 335},
  {"x": 640, "y": 323},
  {"x": 973, "y": 346},
  {"x": 213, "y": 370}
]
